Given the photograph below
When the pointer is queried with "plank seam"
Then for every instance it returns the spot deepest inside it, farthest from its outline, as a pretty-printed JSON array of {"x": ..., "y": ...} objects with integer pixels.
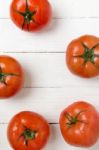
[
  {"x": 29, "y": 52},
  {"x": 63, "y": 18},
  {"x": 51, "y": 123}
]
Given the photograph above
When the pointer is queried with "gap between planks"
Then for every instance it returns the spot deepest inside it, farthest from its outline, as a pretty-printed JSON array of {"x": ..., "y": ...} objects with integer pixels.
[
  {"x": 29, "y": 52},
  {"x": 71, "y": 17},
  {"x": 50, "y": 123}
]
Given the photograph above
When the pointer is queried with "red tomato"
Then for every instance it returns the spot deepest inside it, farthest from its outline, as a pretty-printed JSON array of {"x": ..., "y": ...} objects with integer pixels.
[
  {"x": 28, "y": 131},
  {"x": 78, "y": 124},
  {"x": 82, "y": 56},
  {"x": 30, "y": 15},
  {"x": 11, "y": 76}
]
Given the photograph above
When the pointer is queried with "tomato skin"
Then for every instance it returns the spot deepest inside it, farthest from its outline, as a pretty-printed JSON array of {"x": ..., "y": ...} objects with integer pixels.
[
  {"x": 32, "y": 121},
  {"x": 84, "y": 133},
  {"x": 13, "y": 83},
  {"x": 77, "y": 65},
  {"x": 41, "y": 17}
]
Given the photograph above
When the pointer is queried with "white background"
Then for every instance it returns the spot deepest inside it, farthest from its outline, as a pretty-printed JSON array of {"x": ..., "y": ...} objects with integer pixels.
[{"x": 49, "y": 86}]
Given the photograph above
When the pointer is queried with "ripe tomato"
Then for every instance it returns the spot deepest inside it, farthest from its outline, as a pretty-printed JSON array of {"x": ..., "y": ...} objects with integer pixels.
[
  {"x": 78, "y": 124},
  {"x": 82, "y": 56},
  {"x": 30, "y": 15},
  {"x": 11, "y": 76},
  {"x": 28, "y": 131}
]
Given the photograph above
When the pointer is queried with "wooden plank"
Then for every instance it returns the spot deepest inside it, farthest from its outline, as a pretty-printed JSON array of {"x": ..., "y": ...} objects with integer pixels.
[
  {"x": 49, "y": 87},
  {"x": 54, "y": 38},
  {"x": 49, "y": 70},
  {"x": 55, "y": 142},
  {"x": 63, "y": 9},
  {"x": 47, "y": 101}
]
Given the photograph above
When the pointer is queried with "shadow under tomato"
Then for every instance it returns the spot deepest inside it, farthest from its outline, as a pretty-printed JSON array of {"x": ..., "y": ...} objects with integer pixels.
[
  {"x": 48, "y": 29},
  {"x": 53, "y": 136},
  {"x": 27, "y": 88}
]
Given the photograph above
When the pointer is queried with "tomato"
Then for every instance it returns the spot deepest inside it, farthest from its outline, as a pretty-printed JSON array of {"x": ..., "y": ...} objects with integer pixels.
[
  {"x": 28, "y": 131},
  {"x": 78, "y": 124},
  {"x": 30, "y": 15},
  {"x": 11, "y": 76},
  {"x": 82, "y": 56}
]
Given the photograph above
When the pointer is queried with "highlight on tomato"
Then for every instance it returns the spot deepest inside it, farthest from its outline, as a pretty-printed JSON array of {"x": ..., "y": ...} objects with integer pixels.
[
  {"x": 11, "y": 76},
  {"x": 28, "y": 131},
  {"x": 79, "y": 124},
  {"x": 82, "y": 56},
  {"x": 30, "y": 15}
]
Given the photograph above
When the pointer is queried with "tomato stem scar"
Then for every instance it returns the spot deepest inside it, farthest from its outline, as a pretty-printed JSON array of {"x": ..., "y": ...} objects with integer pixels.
[
  {"x": 4, "y": 75},
  {"x": 28, "y": 135},
  {"x": 73, "y": 120},
  {"x": 88, "y": 54},
  {"x": 28, "y": 16}
]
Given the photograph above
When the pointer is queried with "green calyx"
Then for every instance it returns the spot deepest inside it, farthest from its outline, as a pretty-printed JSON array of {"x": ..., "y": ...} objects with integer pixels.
[
  {"x": 73, "y": 120},
  {"x": 28, "y": 16},
  {"x": 4, "y": 75},
  {"x": 28, "y": 135},
  {"x": 88, "y": 54}
]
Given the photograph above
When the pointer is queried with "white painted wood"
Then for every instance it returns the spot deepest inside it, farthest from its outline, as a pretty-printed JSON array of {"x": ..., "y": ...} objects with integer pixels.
[
  {"x": 47, "y": 101},
  {"x": 49, "y": 70},
  {"x": 53, "y": 143},
  {"x": 63, "y": 8},
  {"x": 54, "y": 38},
  {"x": 49, "y": 87}
]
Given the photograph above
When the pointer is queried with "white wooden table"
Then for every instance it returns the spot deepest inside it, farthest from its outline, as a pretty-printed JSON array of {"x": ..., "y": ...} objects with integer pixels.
[{"x": 49, "y": 86}]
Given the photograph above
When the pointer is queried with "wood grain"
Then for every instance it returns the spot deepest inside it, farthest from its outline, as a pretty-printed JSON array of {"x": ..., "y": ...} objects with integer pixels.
[
  {"x": 54, "y": 38},
  {"x": 49, "y": 86},
  {"x": 63, "y": 8}
]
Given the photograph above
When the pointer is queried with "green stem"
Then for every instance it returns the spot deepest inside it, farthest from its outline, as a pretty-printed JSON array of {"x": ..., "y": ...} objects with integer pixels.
[
  {"x": 28, "y": 135},
  {"x": 4, "y": 75},
  {"x": 28, "y": 16},
  {"x": 73, "y": 120},
  {"x": 88, "y": 54},
  {"x": 27, "y": 7}
]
